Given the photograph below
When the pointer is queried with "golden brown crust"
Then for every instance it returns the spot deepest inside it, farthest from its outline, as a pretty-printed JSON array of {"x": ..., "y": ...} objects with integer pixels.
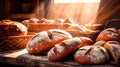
[
  {"x": 114, "y": 48},
  {"x": 63, "y": 49},
  {"x": 109, "y": 34},
  {"x": 91, "y": 55},
  {"x": 39, "y": 43},
  {"x": 85, "y": 41}
]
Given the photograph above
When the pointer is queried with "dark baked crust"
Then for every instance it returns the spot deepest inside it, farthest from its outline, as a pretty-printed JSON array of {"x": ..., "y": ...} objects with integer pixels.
[
  {"x": 91, "y": 55},
  {"x": 85, "y": 41},
  {"x": 114, "y": 49},
  {"x": 65, "y": 48},
  {"x": 109, "y": 34}
]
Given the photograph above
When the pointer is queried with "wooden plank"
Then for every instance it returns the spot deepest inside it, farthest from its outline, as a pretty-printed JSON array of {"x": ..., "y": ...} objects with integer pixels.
[{"x": 22, "y": 58}]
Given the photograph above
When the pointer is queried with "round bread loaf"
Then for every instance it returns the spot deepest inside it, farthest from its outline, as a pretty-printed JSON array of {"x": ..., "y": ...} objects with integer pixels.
[
  {"x": 109, "y": 34},
  {"x": 45, "y": 40},
  {"x": 63, "y": 49},
  {"x": 114, "y": 49},
  {"x": 91, "y": 55},
  {"x": 12, "y": 28}
]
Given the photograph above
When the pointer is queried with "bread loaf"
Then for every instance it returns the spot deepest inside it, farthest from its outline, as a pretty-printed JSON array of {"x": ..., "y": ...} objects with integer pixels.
[
  {"x": 65, "y": 48},
  {"x": 109, "y": 34},
  {"x": 45, "y": 40},
  {"x": 12, "y": 28},
  {"x": 114, "y": 49},
  {"x": 91, "y": 55}
]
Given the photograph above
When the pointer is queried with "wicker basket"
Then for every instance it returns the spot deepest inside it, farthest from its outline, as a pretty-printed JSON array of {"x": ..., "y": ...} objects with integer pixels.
[{"x": 13, "y": 42}]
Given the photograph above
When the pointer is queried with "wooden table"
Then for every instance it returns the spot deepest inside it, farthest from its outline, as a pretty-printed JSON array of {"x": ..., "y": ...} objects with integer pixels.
[{"x": 22, "y": 58}]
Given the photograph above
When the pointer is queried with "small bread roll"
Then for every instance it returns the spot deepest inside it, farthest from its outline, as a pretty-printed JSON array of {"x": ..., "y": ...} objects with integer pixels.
[
  {"x": 91, "y": 55},
  {"x": 85, "y": 41},
  {"x": 114, "y": 49},
  {"x": 45, "y": 40},
  {"x": 109, "y": 34},
  {"x": 65, "y": 48}
]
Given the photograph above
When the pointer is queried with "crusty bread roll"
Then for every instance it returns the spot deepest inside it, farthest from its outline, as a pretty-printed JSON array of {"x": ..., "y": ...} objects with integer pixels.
[
  {"x": 114, "y": 49},
  {"x": 12, "y": 28},
  {"x": 85, "y": 41},
  {"x": 109, "y": 34},
  {"x": 45, "y": 40},
  {"x": 63, "y": 49},
  {"x": 91, "y": 55}
]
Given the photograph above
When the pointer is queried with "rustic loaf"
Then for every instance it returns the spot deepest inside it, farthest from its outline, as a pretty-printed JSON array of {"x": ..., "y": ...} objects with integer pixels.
[
  {"x": 109, "y": 34},
  {"x": 63, "y": 49},
  {"x": 91, "y": 55},
  {"x": 114, "y": 49}
]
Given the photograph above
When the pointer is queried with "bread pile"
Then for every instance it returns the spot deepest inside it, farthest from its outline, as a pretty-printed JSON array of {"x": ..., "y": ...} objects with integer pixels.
[
  {"x": 105, "y": 49},
  {"x": 69, "y": 23},
  {"x": 13, "y": 35},
  {"x": 50, "y": 21},
  {"x": 36, "y": 25},
  {"x": 59, "y": 44},
  {"x": 12, "y": 28},
  {"x": 45, "y": 40}
]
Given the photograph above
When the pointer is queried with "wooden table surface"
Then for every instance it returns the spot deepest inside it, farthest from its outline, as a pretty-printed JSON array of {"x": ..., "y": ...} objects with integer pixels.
[{"x": 22, "y": 58}]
